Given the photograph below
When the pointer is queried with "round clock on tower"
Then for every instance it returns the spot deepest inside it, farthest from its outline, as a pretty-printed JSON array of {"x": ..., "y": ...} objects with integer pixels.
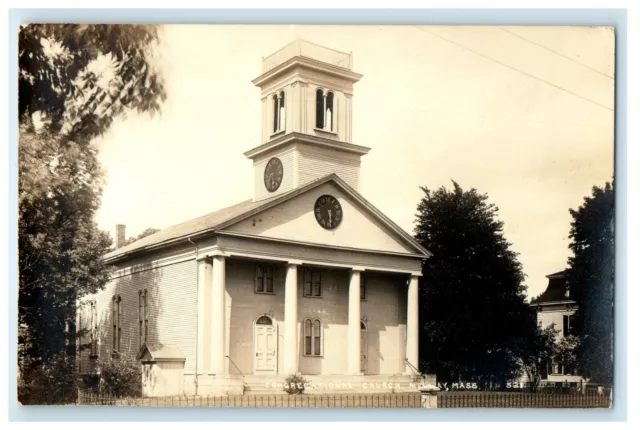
[{"x": 273, "y": 174}]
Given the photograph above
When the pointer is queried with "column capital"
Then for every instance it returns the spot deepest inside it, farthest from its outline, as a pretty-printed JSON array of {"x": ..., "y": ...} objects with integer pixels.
[
  {"x": 357, "y": 269},
  {"x": 217, "y": 252},
  {"x": 294, "y": 263},
  {"x": 415, "y": 274}
]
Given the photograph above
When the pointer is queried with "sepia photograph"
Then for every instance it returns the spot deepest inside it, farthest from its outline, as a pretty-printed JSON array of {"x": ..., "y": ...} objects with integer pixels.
[{"x": 316, "y": 216}]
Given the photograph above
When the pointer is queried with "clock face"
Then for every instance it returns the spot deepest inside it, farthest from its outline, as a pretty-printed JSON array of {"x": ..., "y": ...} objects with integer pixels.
[
  {"x": 273, "y": 174},
  {"x": 328, "y": 212}
]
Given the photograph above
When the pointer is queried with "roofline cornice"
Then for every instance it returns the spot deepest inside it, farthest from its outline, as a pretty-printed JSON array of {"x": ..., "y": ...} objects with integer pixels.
[
  {"x": 307, "y": 63},
  {"x": 295, "y": 137}
]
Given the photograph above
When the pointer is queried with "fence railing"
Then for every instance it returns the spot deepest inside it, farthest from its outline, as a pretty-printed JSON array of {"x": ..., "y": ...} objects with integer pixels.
[
  {"x": 371, "y": 400},
  {"x": 540, "y": 399},
  {"x": 445, "y": 399}
]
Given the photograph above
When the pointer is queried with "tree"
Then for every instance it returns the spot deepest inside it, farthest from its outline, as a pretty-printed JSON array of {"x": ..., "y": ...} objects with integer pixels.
[
  {"x": 147, "y": 232},
  {"x": 80, "y": 77},
  {"x": 61, "y": 84},
  {"x": 474, "y": 315},
  {"x": 566, "y": 353},
  {"x": 541, "y": 347},
  {"x": 591, "y": 278}
]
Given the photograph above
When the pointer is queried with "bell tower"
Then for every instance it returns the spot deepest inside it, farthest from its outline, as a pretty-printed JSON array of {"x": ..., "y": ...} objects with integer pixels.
[{"x": 306, "y": 94}]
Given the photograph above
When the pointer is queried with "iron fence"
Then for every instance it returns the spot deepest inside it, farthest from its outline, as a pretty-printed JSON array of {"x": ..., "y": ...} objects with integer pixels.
[
  {"x": 370, "y": 400},
  {"x": 600, "y": 398},
  {"x": 539, "y": 399}
]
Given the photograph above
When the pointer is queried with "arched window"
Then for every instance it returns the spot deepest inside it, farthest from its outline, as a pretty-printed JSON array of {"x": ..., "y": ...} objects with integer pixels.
[
  {"x": 143, "y": 316},
  {"x": 140, "y": 319},
  {"x": 117, "y": 322},
  {"x": 264, "y": 320},
  {"x": 312, "y": 337},
  {"x": 278, "y": 111},
  {"x": 328, "y": 112},
  {"x": 363, "y": 326},
  {"x": 264, "y": 278},
  {"x": 325, "y": 110},
  {"x": 320, "y": 108}
]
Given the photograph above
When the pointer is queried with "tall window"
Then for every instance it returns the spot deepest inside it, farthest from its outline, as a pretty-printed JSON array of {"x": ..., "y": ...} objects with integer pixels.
[
  {"x": 312, "y": 280},
  {"x": 117, "y": 320},
  {"x": 94, "y": 329},
  {"x": 264, "y": 278},
  {"x": 566, "y": 325},
  {"x": 278, "y": 111},
  {"x": 363, "y": 286},
  {"x": 325, "y": 110},
  {"x": 312, "y": 337},
  {"x": 143, "y": 316}
]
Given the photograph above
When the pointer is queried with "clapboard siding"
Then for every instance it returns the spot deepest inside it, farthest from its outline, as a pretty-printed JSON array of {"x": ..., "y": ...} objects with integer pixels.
[
  {"x": 314, "y": 163},
  {"x": 172, "y": 310}
]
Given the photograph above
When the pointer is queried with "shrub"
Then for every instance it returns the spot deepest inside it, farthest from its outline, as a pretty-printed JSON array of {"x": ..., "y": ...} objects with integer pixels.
[
  {"x": 53, "y": 382},
  {"x": 295, "y": 384},
  {"x": 121, "y": 376}
]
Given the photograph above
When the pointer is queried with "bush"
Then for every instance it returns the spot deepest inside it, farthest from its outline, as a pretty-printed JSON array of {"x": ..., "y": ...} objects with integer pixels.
[
  {"x": 50, "y": 383},
  {"x": 121, "y": 377},
  {"x": 295, "y": 384}
]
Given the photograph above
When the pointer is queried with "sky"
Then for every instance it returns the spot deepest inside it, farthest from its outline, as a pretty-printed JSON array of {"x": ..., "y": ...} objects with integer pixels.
[{"x": 523, "y": 114}]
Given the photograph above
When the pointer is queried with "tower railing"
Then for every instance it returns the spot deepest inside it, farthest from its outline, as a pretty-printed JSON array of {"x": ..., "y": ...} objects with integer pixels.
[{"x": 302, "y": 48}]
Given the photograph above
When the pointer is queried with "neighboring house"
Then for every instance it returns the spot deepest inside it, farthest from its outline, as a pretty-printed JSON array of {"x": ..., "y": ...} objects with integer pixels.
[
  {"x": 305, "y": 277},
  {"x": 555, "y": 306}
]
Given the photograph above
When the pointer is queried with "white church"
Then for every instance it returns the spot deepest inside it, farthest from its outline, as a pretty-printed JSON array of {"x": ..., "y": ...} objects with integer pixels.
[{"x": 305, "y": 277}]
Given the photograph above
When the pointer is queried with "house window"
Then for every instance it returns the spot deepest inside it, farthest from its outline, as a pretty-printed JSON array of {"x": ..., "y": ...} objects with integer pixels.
[
  {"x": 566, "y": 325},
  {"x": 363, "y": 287},
  {"x": 312, "y": 337},
  {"x": 312, "y": 280},
  {"x": 264, "y": 279},
  {"x": 143, "y": 316},
  {"x": 117, "y": 322},
  {"x": 325, "y": 110},
  {"x": 94, "y": 329},
  {"x": 278, "y": 112}
]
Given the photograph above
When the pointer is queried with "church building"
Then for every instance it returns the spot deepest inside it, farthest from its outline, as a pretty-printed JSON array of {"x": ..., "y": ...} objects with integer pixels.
[{"x": 305, "y": 277}]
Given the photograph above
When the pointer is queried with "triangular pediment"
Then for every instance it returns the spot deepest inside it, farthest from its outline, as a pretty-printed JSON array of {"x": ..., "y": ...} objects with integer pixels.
[{"x": 361, "y": 227}]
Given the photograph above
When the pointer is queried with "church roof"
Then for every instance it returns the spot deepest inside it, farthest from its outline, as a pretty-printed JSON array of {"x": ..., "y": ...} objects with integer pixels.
[
  {"x": 230, "y": 215},
  {"x": 556, "y": 289}
]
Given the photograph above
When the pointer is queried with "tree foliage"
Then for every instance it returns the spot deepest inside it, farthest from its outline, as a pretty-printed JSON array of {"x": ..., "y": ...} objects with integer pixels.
[
  {"x": 147, "y": 232},
  {"x": 82, "y": 76},
  {"x": 121, "y": 377},
  {"x": 59, "y": 244},
  {"x": 73, "y": 81},
  {"x": 591, "y": 278},
  {"x": 474, "y": 315},
  {"x": 541, "y": 347}
]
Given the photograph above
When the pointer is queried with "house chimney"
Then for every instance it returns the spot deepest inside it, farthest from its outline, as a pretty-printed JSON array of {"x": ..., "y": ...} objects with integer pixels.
[{"x": 120, "y": 235}]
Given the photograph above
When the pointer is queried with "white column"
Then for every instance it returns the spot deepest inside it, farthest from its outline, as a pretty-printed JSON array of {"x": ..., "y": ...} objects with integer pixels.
[
  {"x": 412, "y": 323},
  {"x": 204, "y": 282},
  {"x": 218, "y": 320},
  {"x": 291, "y": 320},
  {"x": 353, "y": 337}
]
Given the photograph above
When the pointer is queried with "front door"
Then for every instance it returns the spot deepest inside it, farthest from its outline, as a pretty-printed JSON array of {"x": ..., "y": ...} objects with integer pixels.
[
  {"x": 363, "y": 348},
  {"x": 265, "y": 345}
]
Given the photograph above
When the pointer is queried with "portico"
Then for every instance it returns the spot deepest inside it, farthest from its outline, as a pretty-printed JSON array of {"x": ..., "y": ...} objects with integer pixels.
[{"x": 217, "y": 356}]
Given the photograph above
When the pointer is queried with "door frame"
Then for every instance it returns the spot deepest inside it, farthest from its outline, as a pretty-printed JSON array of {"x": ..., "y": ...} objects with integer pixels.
[{"x": 274, "y": 323}]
